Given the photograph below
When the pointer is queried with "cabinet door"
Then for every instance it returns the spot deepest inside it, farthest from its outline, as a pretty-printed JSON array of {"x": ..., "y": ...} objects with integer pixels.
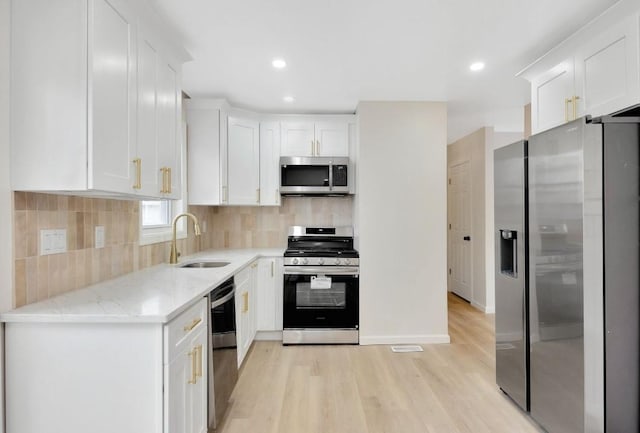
[
  {"x": 243, "y": 154},
  {"x": 179, "y": 395},
  {"x": 198, "y": 399},
  {"x": 203, "y": 153},
  {"x": 169, "y": 151},
  {"x": 298, "y": 139},
  {"x": 607, "y": 75},
  {"x": 147, "y": 127},
  {"x": 549, "y": 94},
  {"x": 269, "y": 295},
  {"x": 242, "y": 280},
  {"x": 112, "y": 98},
  {"x": 332, "y": 138},
  {"x": 270, "y": 164},
  {"x": 252, "y": 307}
]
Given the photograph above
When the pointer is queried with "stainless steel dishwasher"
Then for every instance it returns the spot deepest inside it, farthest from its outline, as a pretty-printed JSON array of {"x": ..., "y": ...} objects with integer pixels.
[{"x": 223, "y": 359}]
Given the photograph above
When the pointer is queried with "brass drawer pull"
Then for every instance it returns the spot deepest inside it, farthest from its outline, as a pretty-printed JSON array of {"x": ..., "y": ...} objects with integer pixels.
[
  {"x": 192, "y": 355},
  {"x": 193, "y": 324},
  {"x": 198, "y": 350}
]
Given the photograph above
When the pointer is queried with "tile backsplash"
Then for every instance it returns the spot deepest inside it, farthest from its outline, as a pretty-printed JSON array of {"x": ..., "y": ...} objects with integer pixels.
[{"x": 40, "y": 277}]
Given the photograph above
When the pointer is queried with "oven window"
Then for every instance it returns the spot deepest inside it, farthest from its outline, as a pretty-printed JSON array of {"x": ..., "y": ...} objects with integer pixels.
[{"x": 332, "y": 299}]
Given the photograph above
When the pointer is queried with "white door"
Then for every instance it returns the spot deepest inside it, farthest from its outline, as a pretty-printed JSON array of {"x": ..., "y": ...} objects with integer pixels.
[
  {"x": 243, "y": 153},
  {"x": 270, "y": 164},
  {"x": 178, "y": 392},
  {"x": 332, "y": 138},
  {"x": 113, "y": 99},
  {"x": 459, "y": 198},
  {"x": 551, "y": 93},
  {"x": 298, "y": 139}
]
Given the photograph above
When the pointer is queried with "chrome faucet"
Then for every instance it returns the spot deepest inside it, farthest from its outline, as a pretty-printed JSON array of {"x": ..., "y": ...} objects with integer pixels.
[{"x": 173, "y": 257}]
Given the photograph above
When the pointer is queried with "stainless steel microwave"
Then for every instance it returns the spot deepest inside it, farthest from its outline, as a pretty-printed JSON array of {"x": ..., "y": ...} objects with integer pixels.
[{"x": 318, "y": 175}]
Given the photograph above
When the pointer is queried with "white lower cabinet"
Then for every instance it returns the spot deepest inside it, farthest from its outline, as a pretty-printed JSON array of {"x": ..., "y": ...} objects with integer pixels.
[
  {"x": 108, "y": 377},
  {"x": 246, "y": 310},
  {"x": 269, "y": 294},
  {"x": 186, "y": 372}
]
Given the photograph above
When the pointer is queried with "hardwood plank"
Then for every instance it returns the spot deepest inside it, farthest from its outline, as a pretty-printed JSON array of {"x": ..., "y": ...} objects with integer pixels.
[{"x": 448, "y": 388}]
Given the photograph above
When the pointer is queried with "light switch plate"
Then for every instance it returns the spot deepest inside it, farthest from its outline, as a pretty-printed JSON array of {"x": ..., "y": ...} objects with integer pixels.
[
  {"x": 53, "y": 241},
  {"x": 99, "y": 237}
]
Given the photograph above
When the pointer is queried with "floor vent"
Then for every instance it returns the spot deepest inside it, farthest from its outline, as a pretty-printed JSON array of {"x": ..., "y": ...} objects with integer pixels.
[{"x": 406, "y": 348}]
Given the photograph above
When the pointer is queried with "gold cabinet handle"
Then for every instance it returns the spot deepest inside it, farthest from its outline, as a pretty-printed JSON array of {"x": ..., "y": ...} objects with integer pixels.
[
  {"x": 258, "y": 195},
  {"x": 313, "y": 148},
  {"x": 273, "y": 268},
  {"x": 193, "y": 324},
  {"x": 138, "y": 164},
  {"x": 169, "y": 180},
  {"x": 575, "y": 107},
  {"x": 245, "y": 302},
  {"x": 224, "y": 194},
  {"x": 164, "y": 180},
  {"x": 192, "y": 355},
  {"x": 199, "y": 360},
  {"x": 317, "y": 147},
  {"x": 567, "y": 101}
]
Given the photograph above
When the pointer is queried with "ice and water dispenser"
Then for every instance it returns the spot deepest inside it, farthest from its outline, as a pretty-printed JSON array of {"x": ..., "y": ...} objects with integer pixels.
[{"x": 509, "y": 253}]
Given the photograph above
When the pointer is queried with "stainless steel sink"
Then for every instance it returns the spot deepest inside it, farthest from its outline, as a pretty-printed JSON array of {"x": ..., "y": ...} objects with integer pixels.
[{"x": 205, "y": 264}]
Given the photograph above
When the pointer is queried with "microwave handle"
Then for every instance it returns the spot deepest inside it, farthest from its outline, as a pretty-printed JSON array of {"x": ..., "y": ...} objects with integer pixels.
[{"x": 330, "y": 176}]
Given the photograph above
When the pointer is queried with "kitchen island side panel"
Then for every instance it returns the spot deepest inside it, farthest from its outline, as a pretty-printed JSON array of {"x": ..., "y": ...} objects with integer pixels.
[{"x": 81, "y": 377}]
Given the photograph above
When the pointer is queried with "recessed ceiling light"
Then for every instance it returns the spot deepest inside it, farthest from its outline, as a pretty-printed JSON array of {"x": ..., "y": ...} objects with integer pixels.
[
  {"x": 279, "y": 63},
  {"x": 477, "y": 66},
  {"x": 288, "y": 99}
]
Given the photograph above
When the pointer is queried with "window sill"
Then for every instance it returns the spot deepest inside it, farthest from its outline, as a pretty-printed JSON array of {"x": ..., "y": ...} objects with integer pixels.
[{"x": 158, "y": 235}]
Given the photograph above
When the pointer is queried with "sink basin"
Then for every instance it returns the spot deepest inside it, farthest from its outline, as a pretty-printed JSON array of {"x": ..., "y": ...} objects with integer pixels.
[{"x": 207, "y": 264}]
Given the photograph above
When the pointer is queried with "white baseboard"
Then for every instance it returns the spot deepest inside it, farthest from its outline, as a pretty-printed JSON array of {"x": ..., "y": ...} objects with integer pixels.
[
  {"x": 268, "y": 336},
  {"x": 405, "y": 339},
  {"x": 487, "y": 310}
]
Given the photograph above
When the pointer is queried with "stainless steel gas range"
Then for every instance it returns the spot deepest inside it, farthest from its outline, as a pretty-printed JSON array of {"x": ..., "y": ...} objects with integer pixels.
[{"x": 321, "y": 285}]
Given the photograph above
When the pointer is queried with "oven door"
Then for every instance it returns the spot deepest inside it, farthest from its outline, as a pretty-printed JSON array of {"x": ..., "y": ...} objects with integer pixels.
[{"x": 320, "y": 297}]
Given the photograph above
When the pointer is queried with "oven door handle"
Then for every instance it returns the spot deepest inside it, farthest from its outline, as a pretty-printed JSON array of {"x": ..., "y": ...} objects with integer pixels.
[
  {"x": 224, "y": 299},
  {"x": 320, "y": 270}
]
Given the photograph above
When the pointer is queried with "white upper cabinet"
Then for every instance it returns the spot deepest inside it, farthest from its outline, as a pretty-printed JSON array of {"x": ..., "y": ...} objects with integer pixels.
[
  {"x": 320, "y": 138},
  {"x": 600, "y": 74},
  {"x": 243, "y": 162},
  {"x": 98, "y": 111},
  {"x": 607, "y": 75},
  {"x": 206, "y": 130},
  {"x": 332, "y": 138},
  {"x": 112, "y": 64},
  {"x": 551, "y": 97},
  {"x": 270, "y": 163},
  {"x": 298, "y": 139}
]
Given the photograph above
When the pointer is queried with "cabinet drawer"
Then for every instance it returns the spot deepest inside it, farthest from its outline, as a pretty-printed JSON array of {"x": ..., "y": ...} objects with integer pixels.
[{"x": 180, "y": 329}]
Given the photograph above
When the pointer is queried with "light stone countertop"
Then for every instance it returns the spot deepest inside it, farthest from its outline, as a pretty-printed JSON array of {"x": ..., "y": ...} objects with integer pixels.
[{"x": 152, "y": 295}]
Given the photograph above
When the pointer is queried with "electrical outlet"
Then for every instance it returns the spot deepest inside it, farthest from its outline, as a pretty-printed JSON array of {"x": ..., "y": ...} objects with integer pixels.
[
  {"x": 99, "y": 239},
  {"x": 53, "y": 241}
]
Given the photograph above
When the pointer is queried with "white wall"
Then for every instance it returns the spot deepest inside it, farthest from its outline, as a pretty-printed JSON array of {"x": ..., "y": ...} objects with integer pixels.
[
  {"x": 402, "y": 199},
  {"x": 6, "y": 200}
]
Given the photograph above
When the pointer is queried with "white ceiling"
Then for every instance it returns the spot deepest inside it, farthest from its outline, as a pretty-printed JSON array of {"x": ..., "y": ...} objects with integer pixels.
[{"x": 340, "y": 52}]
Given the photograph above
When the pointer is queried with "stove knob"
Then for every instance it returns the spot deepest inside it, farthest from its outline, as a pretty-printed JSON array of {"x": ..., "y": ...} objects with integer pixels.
[
  {"x": 347, "y": 262},
  {"x": 338, "y": 262},
  {"x": 321, "y": 261},
  {"x": 305, "y": 261},
  {"x": 294, "y": 261}
]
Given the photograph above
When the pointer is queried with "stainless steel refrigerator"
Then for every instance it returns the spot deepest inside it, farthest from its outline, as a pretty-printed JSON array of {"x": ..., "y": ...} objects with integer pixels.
[{"x": 582, "y": 294}]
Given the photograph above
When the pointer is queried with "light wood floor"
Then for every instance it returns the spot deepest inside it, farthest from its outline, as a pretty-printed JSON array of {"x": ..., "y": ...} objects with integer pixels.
[{"x": 448, "y": 388}]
